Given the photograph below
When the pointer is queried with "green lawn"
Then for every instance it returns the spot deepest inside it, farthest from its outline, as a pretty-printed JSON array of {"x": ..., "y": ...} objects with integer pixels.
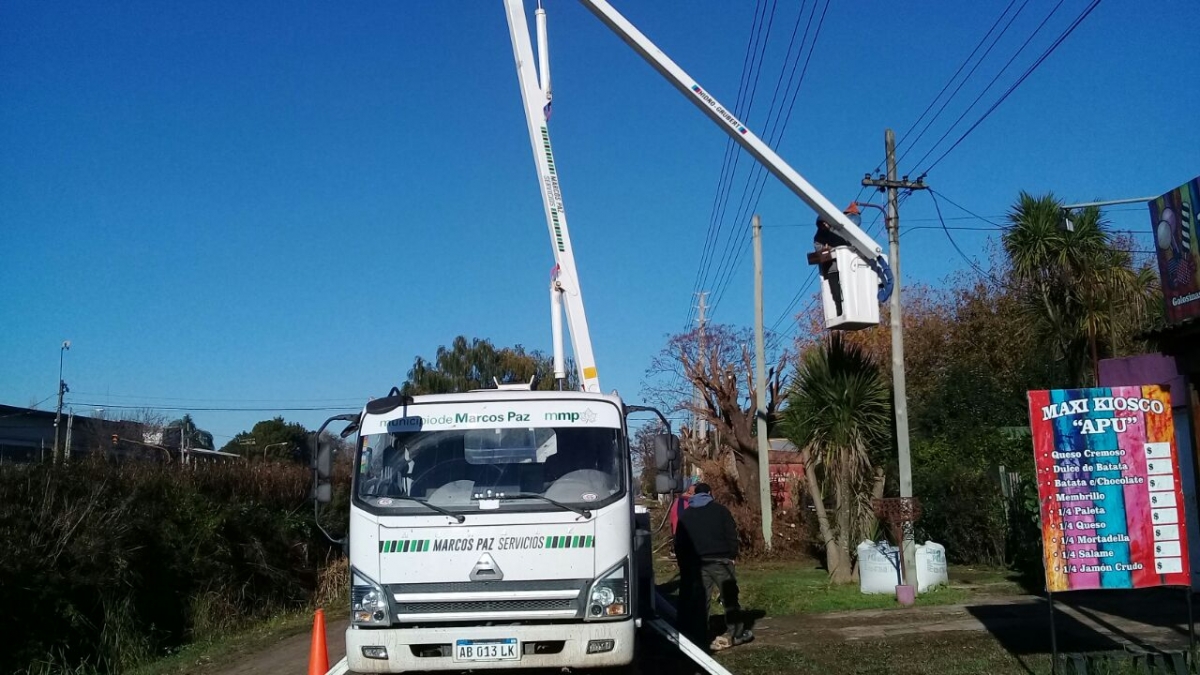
[
  {"x": 801, "y": 587},
  {"x": 781, "y": 589}
]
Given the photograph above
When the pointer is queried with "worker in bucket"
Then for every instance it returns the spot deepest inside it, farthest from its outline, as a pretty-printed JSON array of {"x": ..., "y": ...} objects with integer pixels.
[{"x": 706, "y": 545}]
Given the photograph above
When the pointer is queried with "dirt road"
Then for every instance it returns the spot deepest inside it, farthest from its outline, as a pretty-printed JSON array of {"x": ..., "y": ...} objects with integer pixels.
[
  {"x": 289, "y": 654},
  {"x": 1085, "y": 622}
]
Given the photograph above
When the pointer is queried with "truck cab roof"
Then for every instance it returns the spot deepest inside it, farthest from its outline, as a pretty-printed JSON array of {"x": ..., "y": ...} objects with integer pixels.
[{"x": 387, "y": 405}]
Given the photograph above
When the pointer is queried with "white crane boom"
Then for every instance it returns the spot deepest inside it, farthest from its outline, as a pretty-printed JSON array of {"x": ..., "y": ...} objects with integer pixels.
[
  {"x": 724, "y": 118},
  {"x": 536, "y": 98}
]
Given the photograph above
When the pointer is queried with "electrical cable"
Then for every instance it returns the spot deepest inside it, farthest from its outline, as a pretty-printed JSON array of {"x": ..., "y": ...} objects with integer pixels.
[
  {"x": 775, "y": 136},
  {"x": 714, "y": 219},
  {"x": 736, "y": 242},
  {"x": 1029, "y": 71},
  {"x": 905, "y": 135},
  {"x": 978, "y": 63},
  {"x": 217, "y": 409},
  {"x": 979, "y": 270},
  {"x": 756, "y": 72}
]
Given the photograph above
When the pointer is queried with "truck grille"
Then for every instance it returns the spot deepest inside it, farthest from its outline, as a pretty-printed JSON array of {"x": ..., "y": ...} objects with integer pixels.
[
  {"x": 489, "y": 586},
  {"x": 488, "y": 597},
  {"x": 478, "y": 606}
]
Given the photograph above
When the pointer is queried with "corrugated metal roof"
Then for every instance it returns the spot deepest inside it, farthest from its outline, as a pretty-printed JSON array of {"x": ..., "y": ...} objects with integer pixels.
[{"x": 781, "y": 445}]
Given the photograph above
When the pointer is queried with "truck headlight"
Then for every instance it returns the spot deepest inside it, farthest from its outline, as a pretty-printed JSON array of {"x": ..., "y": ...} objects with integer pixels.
[
  {"x": 368, "y": 602},
  {"x": 609, "y": 595}
]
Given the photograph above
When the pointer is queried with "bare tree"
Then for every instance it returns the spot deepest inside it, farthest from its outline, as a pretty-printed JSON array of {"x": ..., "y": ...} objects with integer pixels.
[{"x": 715, "y": 384}]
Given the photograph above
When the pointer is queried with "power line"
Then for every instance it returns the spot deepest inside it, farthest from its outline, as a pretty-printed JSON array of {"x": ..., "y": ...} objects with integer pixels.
[
  {"x": 329, "y": 400},
  {"x": 964, "y": 209},
  {"x": 754, "y": 71},
  {"x": 1050, "y": 50},
  {"x": 751, "y": 62},
  {"x": 786, "y": 313},
  {"x": 216, "y": 409},
  {"x": 738, "y": 241},
  {"x": 32, "y": 408},
  {"x": 775, "y": 135},
  {"x": 978, "y": 63},
  {"x": 713, "y": 233},
  {"x": 905, "y": 135},
  {"x": 792, "y": 331},
  {"x": 993, "y": 81},
  {"x": 1000, "y": 228},
  {"x": 979, "y": 270}
]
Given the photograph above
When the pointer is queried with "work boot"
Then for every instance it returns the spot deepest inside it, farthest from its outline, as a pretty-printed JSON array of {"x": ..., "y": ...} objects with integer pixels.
[{"x": 742, "y": 637}]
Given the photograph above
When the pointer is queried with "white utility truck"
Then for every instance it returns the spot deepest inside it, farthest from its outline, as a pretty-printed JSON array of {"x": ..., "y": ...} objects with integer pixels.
[
  {"x": 497, "y": 529},
  {"x": 494, "y": 529}
]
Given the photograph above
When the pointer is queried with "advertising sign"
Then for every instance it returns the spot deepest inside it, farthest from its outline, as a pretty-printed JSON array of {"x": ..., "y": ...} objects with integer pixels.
[
  {"x": 1109, "y": 487},
  {"x": 1174, "y": 218}
]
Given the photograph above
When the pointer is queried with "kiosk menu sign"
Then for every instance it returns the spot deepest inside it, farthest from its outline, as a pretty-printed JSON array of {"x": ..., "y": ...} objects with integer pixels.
[{"x": 1109, "y": 487}]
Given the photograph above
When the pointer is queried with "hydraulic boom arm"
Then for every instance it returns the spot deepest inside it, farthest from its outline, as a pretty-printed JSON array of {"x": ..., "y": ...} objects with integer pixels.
[
  {"x": 536, "y": 97},
  {"x": 841, "y": 224},
  {"x": 565, "y": 283}
]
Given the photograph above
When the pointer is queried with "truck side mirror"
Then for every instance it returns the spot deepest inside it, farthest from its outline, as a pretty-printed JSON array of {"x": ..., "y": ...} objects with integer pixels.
[
  {"x": 323, "y": 493},
  {"x": 668, "y": 463},
  {"x": 322, "y": 457},
  {"x": 665, "y": 485},
  {"x": 322, "y": 464}
]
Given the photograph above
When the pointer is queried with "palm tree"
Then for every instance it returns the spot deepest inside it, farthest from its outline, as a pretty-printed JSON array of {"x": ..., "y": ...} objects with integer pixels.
[
  {"x": 1080, "y": 288},
  {"x": 839, "y": 410}
]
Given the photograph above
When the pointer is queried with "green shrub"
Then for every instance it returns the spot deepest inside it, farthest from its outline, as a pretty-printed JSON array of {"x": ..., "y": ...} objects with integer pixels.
[
  {"x": 109, "y": 564},
  {"x": 962, "y": 506}
]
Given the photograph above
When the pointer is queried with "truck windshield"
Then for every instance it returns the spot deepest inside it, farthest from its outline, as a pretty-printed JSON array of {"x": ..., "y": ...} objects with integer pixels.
[{"x": 467, "y": 470}]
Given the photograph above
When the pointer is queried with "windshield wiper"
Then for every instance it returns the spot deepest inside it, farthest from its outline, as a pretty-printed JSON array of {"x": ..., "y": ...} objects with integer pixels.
[
  {"x": 457, "y": 516},
  {"x": 586, "y": 513}
]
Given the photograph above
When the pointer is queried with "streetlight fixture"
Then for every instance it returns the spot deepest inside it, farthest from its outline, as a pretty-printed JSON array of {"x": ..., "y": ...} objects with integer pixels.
[
  {"x": 62, "y": 389},
  {"x": 271, "y": 445},
  {"x": 1069, "y": 225}
]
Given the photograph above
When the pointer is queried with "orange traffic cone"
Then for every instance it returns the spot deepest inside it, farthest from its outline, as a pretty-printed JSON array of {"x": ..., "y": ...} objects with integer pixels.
[{"x": 318, "y": 655}]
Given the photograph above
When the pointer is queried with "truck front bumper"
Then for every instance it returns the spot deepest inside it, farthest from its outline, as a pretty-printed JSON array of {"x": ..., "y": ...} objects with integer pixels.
[{"x": 541, "y": 646}]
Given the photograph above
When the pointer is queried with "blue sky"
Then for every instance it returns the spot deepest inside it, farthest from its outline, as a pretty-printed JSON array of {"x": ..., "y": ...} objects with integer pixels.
[{"x": 280, "y": 204}]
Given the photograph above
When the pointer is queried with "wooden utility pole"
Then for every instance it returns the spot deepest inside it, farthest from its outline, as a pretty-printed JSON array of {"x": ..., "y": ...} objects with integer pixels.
[
  {"x": 699, "y": 423},
  {"x": 893, "y": 186},
  {"x": 760, "y": 385}
]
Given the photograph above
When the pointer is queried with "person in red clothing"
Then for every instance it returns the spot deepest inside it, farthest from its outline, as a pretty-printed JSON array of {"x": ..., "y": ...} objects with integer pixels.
[{"x": 679, "y": 504}]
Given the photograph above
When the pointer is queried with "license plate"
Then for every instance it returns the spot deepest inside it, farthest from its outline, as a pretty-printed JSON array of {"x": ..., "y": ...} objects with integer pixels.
[{"x": 507, "y": 649}]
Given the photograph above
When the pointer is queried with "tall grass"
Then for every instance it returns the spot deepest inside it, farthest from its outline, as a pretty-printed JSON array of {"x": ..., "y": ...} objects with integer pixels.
[{"x": 107, "y": 565}]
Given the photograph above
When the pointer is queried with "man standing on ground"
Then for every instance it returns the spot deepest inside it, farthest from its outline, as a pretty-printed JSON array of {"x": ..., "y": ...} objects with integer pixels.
[{"x": 706, "y": 545}]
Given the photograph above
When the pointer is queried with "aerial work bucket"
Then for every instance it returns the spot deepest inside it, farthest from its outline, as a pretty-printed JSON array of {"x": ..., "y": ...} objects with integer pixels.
[{"x": 849, "y": 290}]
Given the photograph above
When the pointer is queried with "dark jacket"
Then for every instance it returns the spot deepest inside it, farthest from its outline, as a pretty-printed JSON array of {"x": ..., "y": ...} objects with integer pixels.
[{"x": 706, "y": 532}]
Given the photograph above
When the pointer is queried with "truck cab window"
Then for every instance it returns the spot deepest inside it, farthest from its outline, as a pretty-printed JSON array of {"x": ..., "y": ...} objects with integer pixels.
[{"x": 579, "y": 466}]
